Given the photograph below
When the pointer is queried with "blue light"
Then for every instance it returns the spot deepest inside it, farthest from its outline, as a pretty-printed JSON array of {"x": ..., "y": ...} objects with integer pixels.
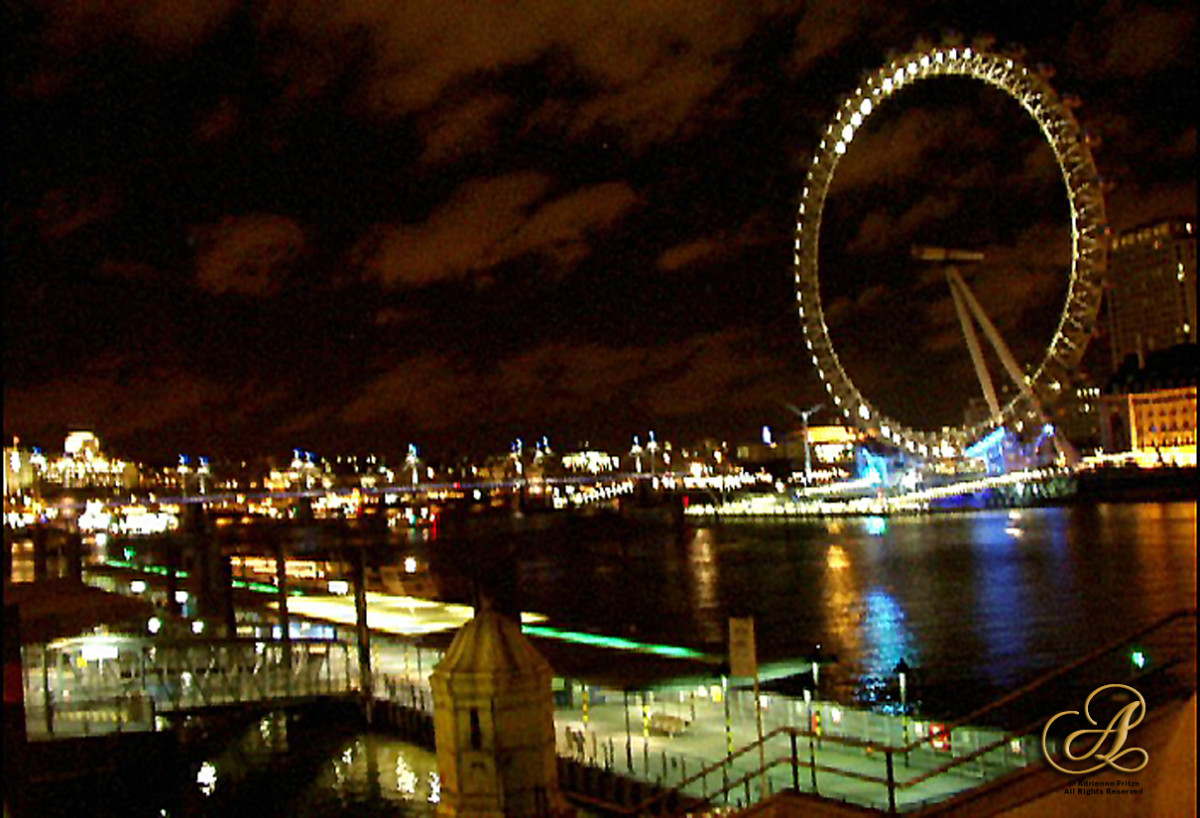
[
  {"x": 876, "y": 526},
  {"x": 766, "y": 435},
  {"x": 982, "y": 448}
]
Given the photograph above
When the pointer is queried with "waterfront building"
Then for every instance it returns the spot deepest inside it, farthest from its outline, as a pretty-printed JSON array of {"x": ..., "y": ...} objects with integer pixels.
[
  {"x": 84, "y": 465},
  {"x": 832, "y": 451},
  {"x": 22, "y": 468},
  {"x": 1150, "y": 411},
  {"x": 1152, "y": 292}
]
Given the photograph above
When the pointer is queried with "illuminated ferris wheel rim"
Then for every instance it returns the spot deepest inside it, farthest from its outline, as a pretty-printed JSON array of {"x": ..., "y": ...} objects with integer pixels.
[{"x": 1077, "y": 321}]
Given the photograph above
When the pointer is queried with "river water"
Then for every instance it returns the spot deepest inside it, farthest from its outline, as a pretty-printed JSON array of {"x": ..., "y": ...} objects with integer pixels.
[{"x": 977, "y": 602}]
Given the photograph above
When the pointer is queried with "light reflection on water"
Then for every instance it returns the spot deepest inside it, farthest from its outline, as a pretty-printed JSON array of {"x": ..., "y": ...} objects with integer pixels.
[
  {"x": 976, "y": 602},
  {"x": 316, "y": 769}
]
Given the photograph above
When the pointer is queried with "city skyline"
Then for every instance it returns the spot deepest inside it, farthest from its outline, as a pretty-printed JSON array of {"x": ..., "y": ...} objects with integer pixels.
[{"x": 235, "y": 229}]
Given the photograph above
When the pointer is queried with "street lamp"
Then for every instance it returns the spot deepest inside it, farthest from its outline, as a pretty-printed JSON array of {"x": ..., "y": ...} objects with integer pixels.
[
  {"x": 814, "y": 658},
  {"x": 804, "y": 415},
  {"x": 902, "y": 670}
]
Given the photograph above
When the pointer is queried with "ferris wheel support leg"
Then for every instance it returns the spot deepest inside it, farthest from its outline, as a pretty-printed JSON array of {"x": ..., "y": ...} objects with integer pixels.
[
  {"x": 968, "y": 328},
  {"x": 993, "y": 335},
  {"x": 1066, "y": 451}
]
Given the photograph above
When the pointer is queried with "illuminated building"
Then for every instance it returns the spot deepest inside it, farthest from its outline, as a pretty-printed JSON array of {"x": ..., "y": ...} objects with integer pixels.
[
  {"x": 1152, "y": 294},
  {"x": 590, "y": 461},
  {"x": 832, "y": 447},
  {"x": 84, "y": 465},
  {"x": 22, "y": 468},
  {"x": 303, "y": 474},
  {"x": 1151, "y": 411}
]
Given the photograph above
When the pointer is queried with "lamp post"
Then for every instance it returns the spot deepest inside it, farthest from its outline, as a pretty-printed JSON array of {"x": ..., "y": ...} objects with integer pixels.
[
  {"x": 812, "y": 747},
  {"x": 902, "y": 670},
  {"x": 814, "y": 658},
  {"x": 804, "y": 415}
]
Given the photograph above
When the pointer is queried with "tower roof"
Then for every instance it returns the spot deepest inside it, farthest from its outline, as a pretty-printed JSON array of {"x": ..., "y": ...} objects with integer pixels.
[{"x": 492, "y": 643}]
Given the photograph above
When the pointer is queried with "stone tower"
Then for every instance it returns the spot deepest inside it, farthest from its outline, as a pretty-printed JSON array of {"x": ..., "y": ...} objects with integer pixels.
[{"x": 494, "y": 720}]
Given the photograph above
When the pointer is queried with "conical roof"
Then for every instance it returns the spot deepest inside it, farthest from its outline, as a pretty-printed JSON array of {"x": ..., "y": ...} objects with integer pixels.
[{"x": 492, "y": 643}]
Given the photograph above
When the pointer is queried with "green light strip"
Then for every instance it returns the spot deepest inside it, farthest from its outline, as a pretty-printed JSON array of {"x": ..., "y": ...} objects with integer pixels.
[
  {"x": 615, "y": 642},
  {"x": 249, "y": 585}
]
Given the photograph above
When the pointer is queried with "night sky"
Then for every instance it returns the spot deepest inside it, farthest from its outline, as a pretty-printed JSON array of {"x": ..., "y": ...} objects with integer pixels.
[{"x": 233, "y": 229}]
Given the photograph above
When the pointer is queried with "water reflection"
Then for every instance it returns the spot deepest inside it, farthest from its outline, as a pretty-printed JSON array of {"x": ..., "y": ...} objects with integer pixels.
[
  {"x": 323, "y": 770},
  {"x": 886, "y": 637}
]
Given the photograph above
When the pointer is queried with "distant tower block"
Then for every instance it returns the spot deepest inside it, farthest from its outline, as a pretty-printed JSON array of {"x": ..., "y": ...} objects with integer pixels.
[{"x": 494, "y": 719}]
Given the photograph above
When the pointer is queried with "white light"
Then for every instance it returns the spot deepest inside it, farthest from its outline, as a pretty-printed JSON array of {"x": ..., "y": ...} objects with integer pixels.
[
  {"x": 207, "y": 778},
  {"x": 864, "y": 412},
  {"x": 410, "y": 565},
  {"x": 95, "y": 651},
  {"x": 912, "y": 69},
  {"x": 197, "y": 626},
  {"x": 865, "y": 108},
  {"x": 339, "y": 586},
  {"x": 925, "y": 61},
  {"x": 181, "y": 597},
  {"x": 137, "y": 586},
  {"x": 848, "y": 133},
  {"x": 839, "y": 148},
  {"x": 856, "y": 120},
  {"x": 154, "y": 625}
]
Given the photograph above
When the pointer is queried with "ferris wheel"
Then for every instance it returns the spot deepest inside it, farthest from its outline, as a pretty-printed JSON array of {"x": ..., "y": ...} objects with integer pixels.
[{"x": 1031, "y": 89}]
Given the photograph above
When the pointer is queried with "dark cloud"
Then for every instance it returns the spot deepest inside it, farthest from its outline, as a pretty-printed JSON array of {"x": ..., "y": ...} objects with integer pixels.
[
  {"x": 458, "y": 131},
  {"x": 880, "y": 230},
  {"x": 1120, "y": 42},
  {"x": 576, "y": 385},
  {"x": 726, "y": 244},
  {"x": 366, "y": 223},
  {"x": 247, "y": 255},
  {"x": 828, "y": 25},
  {"x": 104, "y": 397},
  {"x": 491, "y": 221},
  {"x": 63, "y": 211}
]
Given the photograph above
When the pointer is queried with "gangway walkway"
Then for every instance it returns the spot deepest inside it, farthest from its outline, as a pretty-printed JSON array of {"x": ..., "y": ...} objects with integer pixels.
[{"x": 99, "y": 684}]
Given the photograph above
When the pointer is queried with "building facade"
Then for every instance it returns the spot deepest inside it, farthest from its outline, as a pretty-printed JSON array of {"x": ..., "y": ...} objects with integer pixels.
[
  {"x": 1150, "y": 411},
  {"x": 1152, "y": 292}
]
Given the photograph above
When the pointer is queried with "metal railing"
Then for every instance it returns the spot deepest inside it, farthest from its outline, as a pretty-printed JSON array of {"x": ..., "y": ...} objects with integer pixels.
[
  {"x": 71, "y": 690},
  {"x": 1171, "y": 673}
]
